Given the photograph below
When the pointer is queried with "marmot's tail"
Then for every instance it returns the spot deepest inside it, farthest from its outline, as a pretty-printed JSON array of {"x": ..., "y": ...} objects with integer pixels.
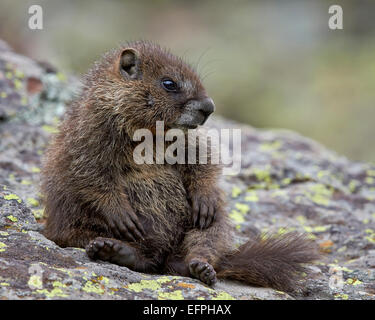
[{"x": 272, "y": 261}]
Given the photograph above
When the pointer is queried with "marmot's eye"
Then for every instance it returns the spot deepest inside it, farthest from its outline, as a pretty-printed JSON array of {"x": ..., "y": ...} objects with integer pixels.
[{"x": 169, "y": 85}]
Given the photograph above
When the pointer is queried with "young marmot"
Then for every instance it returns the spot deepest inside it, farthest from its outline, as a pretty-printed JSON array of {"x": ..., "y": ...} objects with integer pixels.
[{"x": 158, "y": 218}]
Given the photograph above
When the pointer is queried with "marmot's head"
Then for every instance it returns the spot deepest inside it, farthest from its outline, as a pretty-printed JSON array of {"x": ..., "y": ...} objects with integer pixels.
[{"x": 143, "y": 83}]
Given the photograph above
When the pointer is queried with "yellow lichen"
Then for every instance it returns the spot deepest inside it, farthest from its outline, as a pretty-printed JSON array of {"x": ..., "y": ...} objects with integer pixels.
[
  {"x": 320, "y": 194},
  {"x": 243, "y": 208},
  {"x": 341, "y": 296},
  {"x": 33, "y": 202},
  {"x": 236, "y": 192},
  {"x": 2, "y": 246},
  {"x": 38, "y": 213},
  {"x": 174, "y": 295},
  {"x": 92, "y": 287},
  {"x": 262, "y": 174},
  {"x": 237, "y": 216},
  {"x": 353, "y": 282},
  {"x": 270, "y": 146},
  {"x": 50, "y": 129},
  {"x": 223, "y": 296},
  {"x": 251, "y": 196},
  {"x": 55, "y": 292},
  {"x": 13, "y": 196},
  {"x": 12, "y": 218},
  {"x": 35, "y": 282}
]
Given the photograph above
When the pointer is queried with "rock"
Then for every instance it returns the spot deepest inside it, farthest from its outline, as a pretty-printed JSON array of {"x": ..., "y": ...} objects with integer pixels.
[{"x": 287, "y": 182}]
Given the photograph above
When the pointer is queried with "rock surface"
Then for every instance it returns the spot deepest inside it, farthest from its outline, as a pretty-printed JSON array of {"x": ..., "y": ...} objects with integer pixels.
[{"x": 287, "y": 182}]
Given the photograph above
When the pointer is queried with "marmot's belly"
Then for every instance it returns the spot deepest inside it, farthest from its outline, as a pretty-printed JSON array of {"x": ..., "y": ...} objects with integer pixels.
[{"x": 160, "y": 201}]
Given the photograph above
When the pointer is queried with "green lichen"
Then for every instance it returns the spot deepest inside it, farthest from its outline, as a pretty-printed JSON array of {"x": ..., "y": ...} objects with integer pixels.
[
  {"x": 19, "y": 74},
  {"x": 4, "y": 233},
  {"x": 243, "y": 208},
  {"x": 322, "y": 174},
  {"x": 38, "y": 213},
  {"x": 251, "y": 196},
  {"x": 2, "y": 246},
  {"x": 17, "y": 84},
  {"x": 262, "y": 174},
  {"x": 341, "y": 296},
  {"x": 92, "y": 287},
  {"x": 319, "y": 194},
  {"x": 61, "y": 76},
  {"x": 316, "y": 229},
  {"x": 301, "y": 219},
  {"x": 353, "y": 282},
  {"x": 35, "y": 169},
  {"x": 13, "y": 196},
  {"x": 237, "y": 216},
  {"x": 369, "y": 180},
  {"x": 12, "y": 218},
  {"x": 150, "y": 284},
  {"x": 279, "y": 193},
  {"x": 26, "y": 182},
  {"x": 144, "y": 284},
  {"x": 35, "y": 282},
  {"x": 50, "y": 129},
  {"x": 236, "y": 192},
  {"x": 280, "y": 232},
  {"x": 174, "y": 295},
  {"x": 33, "y": 202},
  {"x": 55, "y": 292},
  {"x": 271, "y": 146}
]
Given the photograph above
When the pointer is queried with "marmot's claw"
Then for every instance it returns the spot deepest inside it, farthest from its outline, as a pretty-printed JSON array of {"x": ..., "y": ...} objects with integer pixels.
[
  {"x": 127, "y": 227},
  {"x": 111, "y": 250},
  {"x": 203, "y": 271},
  {"x": 100, "y": 248},
  {"x": 204, "y": 210}
]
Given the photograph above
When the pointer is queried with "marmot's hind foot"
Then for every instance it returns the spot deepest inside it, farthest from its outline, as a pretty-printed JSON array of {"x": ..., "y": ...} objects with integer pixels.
[
  {"x": 203, "y": 271},
  {"x": 111, "y": 250}
]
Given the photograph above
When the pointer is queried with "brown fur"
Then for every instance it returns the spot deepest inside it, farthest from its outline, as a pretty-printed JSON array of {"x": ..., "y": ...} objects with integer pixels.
[{"x": 94, "y": 190}]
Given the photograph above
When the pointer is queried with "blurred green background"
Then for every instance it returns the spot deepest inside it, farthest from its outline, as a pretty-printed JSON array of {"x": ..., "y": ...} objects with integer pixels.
[{"x": 266, "y": 63}]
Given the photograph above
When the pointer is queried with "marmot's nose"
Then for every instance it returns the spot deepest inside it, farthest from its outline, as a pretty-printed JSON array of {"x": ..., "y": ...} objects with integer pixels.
[{"x": 206, "y": 106}]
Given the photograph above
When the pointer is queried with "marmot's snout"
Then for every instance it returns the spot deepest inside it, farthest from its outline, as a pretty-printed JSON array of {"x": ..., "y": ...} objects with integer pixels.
[{"x": 196, "y": 112}]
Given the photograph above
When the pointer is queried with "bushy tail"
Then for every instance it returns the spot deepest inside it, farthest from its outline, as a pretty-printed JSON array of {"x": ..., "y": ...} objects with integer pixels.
[{"x": 273, "y": 261}]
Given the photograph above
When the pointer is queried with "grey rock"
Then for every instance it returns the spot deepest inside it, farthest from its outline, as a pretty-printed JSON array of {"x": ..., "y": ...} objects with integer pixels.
[{"x": 287, "y": 182}]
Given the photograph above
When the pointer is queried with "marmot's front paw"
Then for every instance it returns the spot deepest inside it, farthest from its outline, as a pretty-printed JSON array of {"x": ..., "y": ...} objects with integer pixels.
[
  {"x": 204, "y": 209},
  {"x": 203, "y": 271},
  {"x": 125, "y": 226}
]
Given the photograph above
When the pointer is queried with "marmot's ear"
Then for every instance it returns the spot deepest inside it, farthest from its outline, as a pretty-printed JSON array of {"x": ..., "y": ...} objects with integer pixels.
[{"x": 130, "y": 64}]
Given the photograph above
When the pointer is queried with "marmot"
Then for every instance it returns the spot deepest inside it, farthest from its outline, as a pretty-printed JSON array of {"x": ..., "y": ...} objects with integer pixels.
[{"x": 155, "y": 218}]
